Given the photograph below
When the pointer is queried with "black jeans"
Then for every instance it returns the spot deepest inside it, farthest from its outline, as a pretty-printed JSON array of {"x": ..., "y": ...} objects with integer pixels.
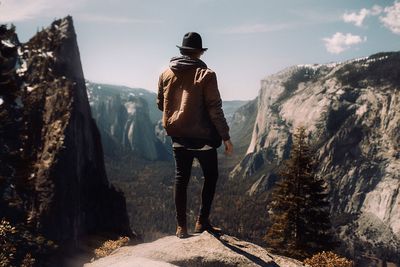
[{"x": 183, "y": 166}]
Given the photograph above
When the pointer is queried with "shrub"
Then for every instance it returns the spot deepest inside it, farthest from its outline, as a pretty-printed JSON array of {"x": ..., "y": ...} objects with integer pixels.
[
  {"x": 328, "y": 259},
  {"x": 20, "y": 247},
  {"x": 8, "y": 248},
  {"x": 109, "y": 246}
]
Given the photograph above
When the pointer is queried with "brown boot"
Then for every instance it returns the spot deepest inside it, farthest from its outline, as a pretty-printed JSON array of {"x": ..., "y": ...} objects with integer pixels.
[
  {"x": 205, "y": 225},
  {"x": 182, "y": 232}
]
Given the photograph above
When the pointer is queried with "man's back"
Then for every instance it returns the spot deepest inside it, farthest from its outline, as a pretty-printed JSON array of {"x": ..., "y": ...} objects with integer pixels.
[{"x": 189, "y": 97}]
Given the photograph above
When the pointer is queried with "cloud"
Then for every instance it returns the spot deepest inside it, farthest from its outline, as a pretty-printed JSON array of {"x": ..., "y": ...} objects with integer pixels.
[
  {"x": 358, "y": 18},
  {"x": 391, "y": 19},
  {"x": 257, "y": 28},
  {"x": 376, "y": 10},
  {"x": 114, "y": 19},
  {"x": 340, "y": 42},
  {"x": 21, "y": 10}
]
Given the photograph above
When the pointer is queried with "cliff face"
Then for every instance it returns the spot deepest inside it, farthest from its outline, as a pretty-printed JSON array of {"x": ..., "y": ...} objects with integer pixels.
[
  {"x": 53, "y": 174},
  {"x": 127, "y": 123},
  {"x": 130, "y": 122},
  {"x": 241, "y": 122},
  {"x": 350, "y": 110}
]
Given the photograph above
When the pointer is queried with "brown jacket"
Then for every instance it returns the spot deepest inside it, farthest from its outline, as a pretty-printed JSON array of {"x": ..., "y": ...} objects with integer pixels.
[{"x": 191, "y": 104}]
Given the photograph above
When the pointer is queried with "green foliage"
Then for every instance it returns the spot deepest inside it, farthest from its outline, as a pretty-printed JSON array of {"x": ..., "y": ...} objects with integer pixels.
[
  {"x": 299, "y": 211},
  {"x": 378, "y": 69}
]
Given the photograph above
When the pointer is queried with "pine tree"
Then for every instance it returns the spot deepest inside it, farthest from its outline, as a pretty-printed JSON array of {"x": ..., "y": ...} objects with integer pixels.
[{"x": 299, "y": 211}]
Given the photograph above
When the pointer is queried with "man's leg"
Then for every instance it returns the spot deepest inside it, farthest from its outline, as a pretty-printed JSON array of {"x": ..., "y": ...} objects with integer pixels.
[
  {"x": 183, "y": 167},
  {"x": 209, "y": 164}
]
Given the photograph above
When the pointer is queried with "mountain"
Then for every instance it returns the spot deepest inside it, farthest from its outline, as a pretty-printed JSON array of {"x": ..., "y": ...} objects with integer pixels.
[
  {"x": 100, "y": 92},
  {"x": 128, "y": 119},
  {"x": 197, "y": 250},
  {"x": 231, "y": 106},
  {"x": 351, "y": 113},
  {"x": 52, "y": 172},
  {"x": 241, "y": 125}
]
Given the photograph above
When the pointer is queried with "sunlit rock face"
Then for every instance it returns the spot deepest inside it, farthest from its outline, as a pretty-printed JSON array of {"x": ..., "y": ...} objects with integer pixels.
[
  {"x": 351, "y": 112},
  {"x": 52, "y": 168}
]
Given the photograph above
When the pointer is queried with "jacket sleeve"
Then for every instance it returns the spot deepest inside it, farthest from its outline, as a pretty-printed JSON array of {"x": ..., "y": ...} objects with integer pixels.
[
  {"x": 213, "y": 104},
  {"x": 160, "y": 95}
]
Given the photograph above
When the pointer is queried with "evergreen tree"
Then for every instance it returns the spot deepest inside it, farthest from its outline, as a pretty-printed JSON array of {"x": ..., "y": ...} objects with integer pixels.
[{"x": 299, "y": 211}]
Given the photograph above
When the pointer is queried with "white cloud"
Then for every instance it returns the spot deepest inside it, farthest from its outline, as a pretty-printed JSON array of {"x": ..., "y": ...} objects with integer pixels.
[
  {"x": 340, "y": 42},
  {"x": 356, "y": 18},
  {"x": 376, "y": 10},
  {"x": 20, "y": 10},
  {"x": 391, "y": 19},
  {"x": 257, "y": 28}
]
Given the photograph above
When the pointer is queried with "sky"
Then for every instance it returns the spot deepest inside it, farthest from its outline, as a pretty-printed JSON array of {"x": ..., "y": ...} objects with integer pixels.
[{"x": 130, "y": 42}]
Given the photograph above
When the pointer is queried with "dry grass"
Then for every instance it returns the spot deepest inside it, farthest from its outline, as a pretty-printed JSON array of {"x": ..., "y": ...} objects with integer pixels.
[
  {"x": 7, "y": 246},
  {"x": 328, "y": 259},
  {"x": 109, "y": 246}
]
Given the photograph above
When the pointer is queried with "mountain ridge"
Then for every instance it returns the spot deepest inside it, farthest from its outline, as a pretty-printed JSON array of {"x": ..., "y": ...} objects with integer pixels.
[{"x": 350, "y": 112}]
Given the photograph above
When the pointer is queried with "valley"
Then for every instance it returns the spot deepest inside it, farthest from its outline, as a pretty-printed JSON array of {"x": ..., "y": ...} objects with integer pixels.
[{"x": 348, "y": 110}]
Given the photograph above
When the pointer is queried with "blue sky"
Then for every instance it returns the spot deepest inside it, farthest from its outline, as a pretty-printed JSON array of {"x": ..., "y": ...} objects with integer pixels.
[{"x": 130, "y": 42}]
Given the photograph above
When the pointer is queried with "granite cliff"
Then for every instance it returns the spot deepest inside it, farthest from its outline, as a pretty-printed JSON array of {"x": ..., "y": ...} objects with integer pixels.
[
  {"x": 52, "y": 174},
  {"x": 128, "y": 122},
  {"x": 351, "y": 112}
]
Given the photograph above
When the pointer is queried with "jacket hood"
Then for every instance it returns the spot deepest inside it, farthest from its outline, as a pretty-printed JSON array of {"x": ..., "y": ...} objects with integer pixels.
[{"x": 185, "y": 62}]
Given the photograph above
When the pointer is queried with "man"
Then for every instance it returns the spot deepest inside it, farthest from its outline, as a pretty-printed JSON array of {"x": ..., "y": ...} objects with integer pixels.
[{"x": 192, "y": 115}]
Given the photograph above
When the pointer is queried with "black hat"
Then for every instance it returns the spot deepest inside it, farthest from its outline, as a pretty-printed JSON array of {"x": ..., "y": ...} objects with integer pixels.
[{"x": 192, "y": 41}]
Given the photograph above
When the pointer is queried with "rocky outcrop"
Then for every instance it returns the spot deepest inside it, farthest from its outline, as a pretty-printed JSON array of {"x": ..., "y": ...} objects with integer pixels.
[
  {"x": 53, "y": 173},
  {"x": 350, "y": 111},
  {"x": 198, "y": 250},
  {"x": 127, "y": 123}
]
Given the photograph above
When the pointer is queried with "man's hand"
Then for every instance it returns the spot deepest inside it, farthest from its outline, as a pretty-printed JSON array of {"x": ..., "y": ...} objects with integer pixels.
[{"x": 228, "y": 147}]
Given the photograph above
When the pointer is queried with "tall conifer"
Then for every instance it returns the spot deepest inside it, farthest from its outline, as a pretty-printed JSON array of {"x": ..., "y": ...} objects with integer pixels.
[{"x": 299, "y": 211}]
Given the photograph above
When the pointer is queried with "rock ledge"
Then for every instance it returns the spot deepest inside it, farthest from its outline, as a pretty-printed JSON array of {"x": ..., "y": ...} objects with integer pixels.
[{"x": 197, "y": 250}]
